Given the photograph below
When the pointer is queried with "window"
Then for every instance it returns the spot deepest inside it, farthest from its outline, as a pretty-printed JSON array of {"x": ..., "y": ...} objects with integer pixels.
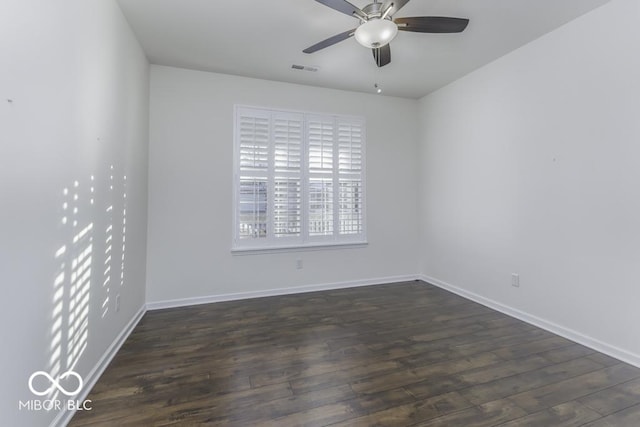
[{"x": 298, "y": 179}]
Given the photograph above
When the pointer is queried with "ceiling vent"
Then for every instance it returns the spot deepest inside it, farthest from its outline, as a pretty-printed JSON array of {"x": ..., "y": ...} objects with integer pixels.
[{"x": 304, "y": 68}]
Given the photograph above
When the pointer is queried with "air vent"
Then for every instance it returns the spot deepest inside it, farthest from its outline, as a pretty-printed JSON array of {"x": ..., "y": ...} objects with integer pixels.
[{"x": 304, "y": 68}]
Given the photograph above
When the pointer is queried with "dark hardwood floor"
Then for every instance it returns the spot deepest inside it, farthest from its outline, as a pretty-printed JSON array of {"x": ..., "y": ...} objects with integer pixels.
[{"x": 406, "y": 354}]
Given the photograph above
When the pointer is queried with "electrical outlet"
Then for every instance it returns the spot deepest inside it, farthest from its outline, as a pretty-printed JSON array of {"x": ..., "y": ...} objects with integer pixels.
[
  {"x": 117, "y": 303},
  {"x": 515, "y": 280},
  {"x": 299, "y": 264}
]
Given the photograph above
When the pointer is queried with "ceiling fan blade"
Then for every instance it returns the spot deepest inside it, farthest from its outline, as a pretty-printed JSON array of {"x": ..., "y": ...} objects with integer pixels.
[
  {"x": 397, "y": 5},
  {"x": 343, "y": 6},
  {"x": 382, "y": 55},
  {"x": 330, "y": 41},
  {"x": 432, "y": 24}
]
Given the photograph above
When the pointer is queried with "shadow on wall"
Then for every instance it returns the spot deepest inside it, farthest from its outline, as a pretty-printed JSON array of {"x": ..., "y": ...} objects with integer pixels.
[{"x": 90, "y": 272}]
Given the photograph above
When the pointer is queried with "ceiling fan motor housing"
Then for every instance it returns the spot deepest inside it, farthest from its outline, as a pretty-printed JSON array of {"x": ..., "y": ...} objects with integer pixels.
[{"x": 373, "y": 10}]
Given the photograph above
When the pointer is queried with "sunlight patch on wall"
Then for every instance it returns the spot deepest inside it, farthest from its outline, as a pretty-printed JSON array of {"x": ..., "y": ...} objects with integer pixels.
[
  {"x": 124, "y": 228},
  {"x": 115, "y": 229},
  {"x": 108, "y": 256},
  {"x": 72, "y": 283},
  {"x": 91, "y": 255}
]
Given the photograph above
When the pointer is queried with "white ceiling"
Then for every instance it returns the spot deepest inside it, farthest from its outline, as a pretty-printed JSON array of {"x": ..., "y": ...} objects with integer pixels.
[{"x": 262, "y": 39}]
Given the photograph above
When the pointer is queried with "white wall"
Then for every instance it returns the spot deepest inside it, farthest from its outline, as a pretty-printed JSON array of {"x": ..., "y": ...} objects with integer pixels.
[
  {"x": 531, "y": 165},
  {"x": 190, "y": 189},
  {"x": 78, "y": 81}
]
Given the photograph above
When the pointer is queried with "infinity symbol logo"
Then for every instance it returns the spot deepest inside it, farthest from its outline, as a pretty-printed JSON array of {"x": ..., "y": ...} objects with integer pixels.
[{"x": 55, "y": 383}]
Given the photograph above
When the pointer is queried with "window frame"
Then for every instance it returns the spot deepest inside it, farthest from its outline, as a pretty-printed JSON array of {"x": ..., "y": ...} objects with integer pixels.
[{"x": 304, "y": 241}]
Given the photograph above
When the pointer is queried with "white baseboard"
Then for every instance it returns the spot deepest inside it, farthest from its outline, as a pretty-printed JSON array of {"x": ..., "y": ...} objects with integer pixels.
[
  {"x": 92, "y": 377},
  {"x": 182, "y": 302},
  {"x": 570, "y": 334}
]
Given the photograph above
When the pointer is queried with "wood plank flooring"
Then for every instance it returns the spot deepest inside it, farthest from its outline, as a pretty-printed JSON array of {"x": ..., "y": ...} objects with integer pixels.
[{"x": 406, "y": 354}]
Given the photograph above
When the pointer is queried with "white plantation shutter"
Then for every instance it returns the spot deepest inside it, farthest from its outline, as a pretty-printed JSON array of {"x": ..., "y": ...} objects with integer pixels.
[
  {"x": 253, "y": 134},
  {"x": 321, "y": 142},
  {"x": 321, "y": 138},
  {"x": 287, "y": 181},
  {"x": 350, "y": 158},
  {"x": 299, "y": 179}
]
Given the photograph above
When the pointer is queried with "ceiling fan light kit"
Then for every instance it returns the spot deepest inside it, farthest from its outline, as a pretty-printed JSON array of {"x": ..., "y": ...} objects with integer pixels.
[
  {"x": 378, "y": 27},
  {"x": 376, "y": 32}
]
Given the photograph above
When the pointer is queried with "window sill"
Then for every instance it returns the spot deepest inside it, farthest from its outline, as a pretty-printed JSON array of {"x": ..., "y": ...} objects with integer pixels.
[{"x": 298, "y": 248}]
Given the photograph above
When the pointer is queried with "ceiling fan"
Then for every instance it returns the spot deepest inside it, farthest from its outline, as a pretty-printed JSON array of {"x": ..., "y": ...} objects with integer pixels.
[{"x": 378, "y": 27}]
